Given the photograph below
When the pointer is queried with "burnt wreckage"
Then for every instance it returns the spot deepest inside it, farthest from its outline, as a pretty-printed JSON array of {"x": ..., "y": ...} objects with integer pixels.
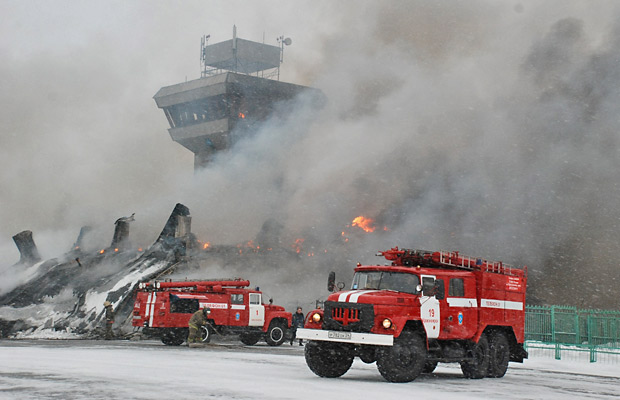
[{"x": 66, "y": 294}]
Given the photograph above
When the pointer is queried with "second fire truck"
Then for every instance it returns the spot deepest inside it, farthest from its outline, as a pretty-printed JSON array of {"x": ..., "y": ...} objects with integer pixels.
[
  {"x": 164, "y": 309},
  {"x": 424, "y": 308}
]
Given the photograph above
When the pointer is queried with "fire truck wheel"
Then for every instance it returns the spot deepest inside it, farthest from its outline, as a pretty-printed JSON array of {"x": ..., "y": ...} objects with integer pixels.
[
  {"x": 275, "y": 333},
  {"x": 478, "y": 367},
  {"x": 404, "y": 360},
  {"x": 205, "y": 334},
  {"x": 499, "y": 355},
  {"x": 429, "y": 366},
  {"x": 249, "y": 339},
  {"x": 173, "y": 338},
  {"x": 329, "y": 359}
]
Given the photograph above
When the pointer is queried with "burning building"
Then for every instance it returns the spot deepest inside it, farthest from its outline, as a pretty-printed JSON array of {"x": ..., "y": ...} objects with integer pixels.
[{"x": 234, "y": 95}]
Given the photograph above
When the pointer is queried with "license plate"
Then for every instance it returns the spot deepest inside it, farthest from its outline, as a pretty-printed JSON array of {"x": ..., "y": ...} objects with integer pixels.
[{"x": 339, "y": 335}]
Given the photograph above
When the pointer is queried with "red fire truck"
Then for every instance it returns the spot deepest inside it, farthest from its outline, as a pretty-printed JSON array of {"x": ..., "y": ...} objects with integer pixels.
[
  {"x": 424, "y": 308},
  {"x": 164, "y": 309}
]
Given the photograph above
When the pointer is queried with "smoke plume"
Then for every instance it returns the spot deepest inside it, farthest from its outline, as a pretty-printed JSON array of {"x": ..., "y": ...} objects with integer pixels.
[{"x": 484, "y": 127}]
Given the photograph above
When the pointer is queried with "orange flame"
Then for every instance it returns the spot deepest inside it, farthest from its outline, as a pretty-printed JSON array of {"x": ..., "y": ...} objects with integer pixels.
[
  {"x": 297, "y": 245},
  {"x": 206, "y": 245},
  {"x": 241, "y": 115},
  {"x": 364, "y": 223}
]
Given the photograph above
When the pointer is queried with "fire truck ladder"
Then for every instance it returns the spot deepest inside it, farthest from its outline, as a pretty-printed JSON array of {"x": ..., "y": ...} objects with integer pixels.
[
  {"x": 454, "y": 259},
  {"x": 443, "y": 259}
]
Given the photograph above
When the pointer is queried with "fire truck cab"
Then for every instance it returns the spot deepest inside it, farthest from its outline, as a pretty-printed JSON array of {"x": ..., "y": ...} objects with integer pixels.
[
  {"x": 424, "y": 308},
  {"x": 164, "y": 309}
]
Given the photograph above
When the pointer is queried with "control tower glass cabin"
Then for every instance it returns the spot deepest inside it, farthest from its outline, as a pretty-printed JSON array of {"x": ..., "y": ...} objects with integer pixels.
[{"x": 229, "y": 100}]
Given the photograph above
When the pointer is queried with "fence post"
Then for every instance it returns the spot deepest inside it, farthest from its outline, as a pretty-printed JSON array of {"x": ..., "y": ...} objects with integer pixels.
[
  {"x": 577, "y": 332},
  {"x": 558, "y": 355}
]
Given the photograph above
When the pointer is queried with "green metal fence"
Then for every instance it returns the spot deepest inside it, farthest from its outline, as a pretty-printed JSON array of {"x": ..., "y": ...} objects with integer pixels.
[{"x": 562, "y": 329}]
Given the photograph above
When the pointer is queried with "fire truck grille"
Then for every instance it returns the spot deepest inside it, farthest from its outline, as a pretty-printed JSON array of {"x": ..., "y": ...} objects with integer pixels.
[{"x": 352, "y": 317}]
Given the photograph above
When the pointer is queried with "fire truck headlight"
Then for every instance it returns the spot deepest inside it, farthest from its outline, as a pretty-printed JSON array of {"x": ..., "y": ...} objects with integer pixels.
[
  {"x": 316, "y": 317},
  {"x": 387, "y": 324}
]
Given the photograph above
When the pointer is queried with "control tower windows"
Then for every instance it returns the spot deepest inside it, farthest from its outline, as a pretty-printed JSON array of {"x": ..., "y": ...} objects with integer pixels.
[{"x": 198, "y": 111}]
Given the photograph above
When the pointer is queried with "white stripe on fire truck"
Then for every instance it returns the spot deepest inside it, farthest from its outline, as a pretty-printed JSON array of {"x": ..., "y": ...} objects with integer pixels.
[
  {"x": 148, "y": 303},
  {"x": 461, "y": 302},
  {"x": 237, "y": 307},
  {"x": 506, "y": 305},
  {"x": 152, "y": 309},
  {"x": 351, "y": 296},
  {"x": 355, "y": 296},
  {"x": 343, "y": 296}
]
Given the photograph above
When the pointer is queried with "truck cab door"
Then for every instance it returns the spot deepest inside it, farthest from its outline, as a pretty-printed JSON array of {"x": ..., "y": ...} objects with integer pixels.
[
  {"x": 429, "y": 307},
  {"x": 461, "y": 309},
  {"x": 239, "y": 310},
  {"x": 257, "y": 310}
]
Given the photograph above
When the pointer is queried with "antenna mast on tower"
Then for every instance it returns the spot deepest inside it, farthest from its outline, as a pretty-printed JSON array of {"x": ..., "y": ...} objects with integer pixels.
[{"x": 242, "y": 57}]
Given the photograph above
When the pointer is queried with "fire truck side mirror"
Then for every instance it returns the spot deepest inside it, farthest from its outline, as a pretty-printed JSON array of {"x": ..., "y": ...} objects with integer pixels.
[
  {"x": 331, "y": 281},
  {"x": 340, "y": 285}
]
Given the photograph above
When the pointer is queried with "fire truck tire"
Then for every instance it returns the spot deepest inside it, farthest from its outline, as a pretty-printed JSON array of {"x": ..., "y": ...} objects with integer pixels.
[
  {"x": 173, "y": 337},
  {"x": 499, "y": 355},
  {"x": 275, "y": 334},
  {"x": 329, "y": 359},
  {"x": 429, "y": 366},
  {"x": 249, "y": 339},
  {"x": 205, "y": 334},
  {"x": 404, "y": 360},
  {"x": 478, "y": 367}
]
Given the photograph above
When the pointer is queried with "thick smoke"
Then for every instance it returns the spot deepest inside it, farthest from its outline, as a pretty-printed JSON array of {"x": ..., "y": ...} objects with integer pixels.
[{"x": 484, "y": 127}]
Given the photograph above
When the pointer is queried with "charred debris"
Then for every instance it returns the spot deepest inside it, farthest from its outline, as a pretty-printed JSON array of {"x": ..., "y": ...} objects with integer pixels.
[{"x": 66, "y": 294}]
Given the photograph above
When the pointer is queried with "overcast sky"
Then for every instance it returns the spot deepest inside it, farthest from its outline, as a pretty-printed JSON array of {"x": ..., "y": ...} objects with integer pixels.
[{"x": 482, "y": 126}]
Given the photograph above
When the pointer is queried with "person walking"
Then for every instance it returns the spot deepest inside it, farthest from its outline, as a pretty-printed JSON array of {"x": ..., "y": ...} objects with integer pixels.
[
  {"x": 109, "y": 320},
  {"x": 297, "y": 322},
  {"x": 196, "y": 322}
]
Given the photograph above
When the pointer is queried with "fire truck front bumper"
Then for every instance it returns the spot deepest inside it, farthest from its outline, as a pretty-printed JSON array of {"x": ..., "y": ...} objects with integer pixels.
[{"x": 345, "y": 337}]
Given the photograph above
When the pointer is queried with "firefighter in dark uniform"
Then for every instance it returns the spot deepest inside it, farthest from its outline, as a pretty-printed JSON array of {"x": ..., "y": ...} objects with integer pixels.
[
  {"x": 297, "y": 322},
  {"x": 109, "y": 320},
  {"x": 196, "y": 322}
]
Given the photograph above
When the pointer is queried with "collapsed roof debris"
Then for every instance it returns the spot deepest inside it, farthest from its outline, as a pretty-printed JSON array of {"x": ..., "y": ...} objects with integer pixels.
[{"x": 67, "y": 294}]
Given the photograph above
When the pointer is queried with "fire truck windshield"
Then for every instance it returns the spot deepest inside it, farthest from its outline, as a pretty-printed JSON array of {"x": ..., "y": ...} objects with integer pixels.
[{"x": 398, "y": 281}]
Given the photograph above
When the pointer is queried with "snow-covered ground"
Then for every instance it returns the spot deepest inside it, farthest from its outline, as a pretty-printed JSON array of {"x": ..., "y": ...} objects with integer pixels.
[{"x": 79, "y": 369}]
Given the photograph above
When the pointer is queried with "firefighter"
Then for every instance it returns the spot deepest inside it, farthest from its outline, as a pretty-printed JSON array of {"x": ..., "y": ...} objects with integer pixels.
[
  {"x": 196, "y": 322},
  {"x": 297, "y": 322},
  {"x": 109, "y": 320}
]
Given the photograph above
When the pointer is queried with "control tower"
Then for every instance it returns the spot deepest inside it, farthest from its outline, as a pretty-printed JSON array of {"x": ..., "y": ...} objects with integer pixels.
[{"x": 236, "y": 92}]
